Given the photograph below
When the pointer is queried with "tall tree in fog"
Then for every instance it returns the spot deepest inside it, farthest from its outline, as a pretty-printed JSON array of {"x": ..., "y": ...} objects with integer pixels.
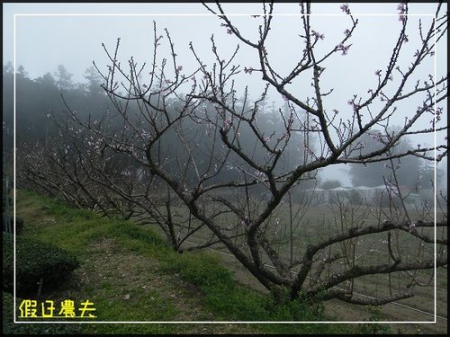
[
  {"x": 94, "y": 82},
  {"x": 64, "y": 78},
  {"x": 46, "y": 94},
  {"x": 8, "y": 109},
  {"x": 376, "y": 173}
]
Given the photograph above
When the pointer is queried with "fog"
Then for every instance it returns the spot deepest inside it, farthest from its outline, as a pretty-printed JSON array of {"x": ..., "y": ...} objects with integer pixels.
[{"x": 40, "y": 37}]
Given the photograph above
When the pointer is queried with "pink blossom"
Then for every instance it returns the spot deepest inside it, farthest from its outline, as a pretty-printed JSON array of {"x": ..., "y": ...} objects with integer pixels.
[
  {"x": 401, "y": 11},
  {"x": 226, "y": 125},
  {"x": 259, "y": 173},
  {"x": 411, "y": 226},
  {"x": 317, "y": 35},
  {"x": 229, "y": 31},
  {"x": 345, "y": 8},
  {"x": 343, "y": 48}
]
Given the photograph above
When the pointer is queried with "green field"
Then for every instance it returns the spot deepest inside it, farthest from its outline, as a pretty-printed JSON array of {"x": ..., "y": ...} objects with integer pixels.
[{"x": 131, "y": 274}]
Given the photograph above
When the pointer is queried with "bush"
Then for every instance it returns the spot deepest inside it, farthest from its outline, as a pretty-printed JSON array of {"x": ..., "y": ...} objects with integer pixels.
[
  {"x": 282, "y": 308},
  {"x": 330, "y": 184},
  {"x": 35, "y": 261},
  {"x": 355, "y": 198}
]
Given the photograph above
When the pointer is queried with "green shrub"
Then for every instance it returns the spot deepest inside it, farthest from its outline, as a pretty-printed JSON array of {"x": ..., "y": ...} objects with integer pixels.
[
  {"x": 375, "y": 316},
  {"x": 35, "y": 261},
  {"x": 355, "y": 198},
  {"x": 330, "y": 184}
]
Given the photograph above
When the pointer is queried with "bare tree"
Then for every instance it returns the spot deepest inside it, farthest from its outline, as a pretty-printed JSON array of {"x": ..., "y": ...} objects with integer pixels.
[{"x": 244, "y": 193}]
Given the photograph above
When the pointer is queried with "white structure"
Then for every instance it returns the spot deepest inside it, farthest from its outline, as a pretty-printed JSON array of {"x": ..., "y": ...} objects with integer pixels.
[{"x": 364, "y": 194}]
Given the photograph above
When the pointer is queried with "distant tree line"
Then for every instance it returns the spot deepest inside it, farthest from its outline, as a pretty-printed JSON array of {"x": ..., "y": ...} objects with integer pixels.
[
  {"x": 53, "y": 93},
  {"x": 37, "y": 97}
]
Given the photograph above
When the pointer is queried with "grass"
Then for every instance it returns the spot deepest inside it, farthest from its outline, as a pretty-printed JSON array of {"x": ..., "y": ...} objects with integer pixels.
[{"x": 131, "y": 274}]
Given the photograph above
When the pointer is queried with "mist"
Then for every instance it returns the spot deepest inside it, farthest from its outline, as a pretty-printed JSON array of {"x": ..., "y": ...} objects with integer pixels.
[{"x": 40, "y": 37}]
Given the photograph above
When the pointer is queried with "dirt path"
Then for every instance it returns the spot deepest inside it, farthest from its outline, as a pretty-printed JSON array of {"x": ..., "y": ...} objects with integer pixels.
[{"x": 124, "y": 276}]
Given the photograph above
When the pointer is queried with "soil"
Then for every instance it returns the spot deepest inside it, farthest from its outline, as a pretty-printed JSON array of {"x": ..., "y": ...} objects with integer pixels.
[{"x": 124, "y": 272}]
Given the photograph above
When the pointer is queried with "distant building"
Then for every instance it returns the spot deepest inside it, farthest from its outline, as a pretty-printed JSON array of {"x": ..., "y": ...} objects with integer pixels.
[{"x": 378, "y": 195}]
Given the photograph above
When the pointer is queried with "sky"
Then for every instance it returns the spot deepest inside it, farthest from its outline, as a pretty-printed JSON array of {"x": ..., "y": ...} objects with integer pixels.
[{"x": 41, "y": 36}]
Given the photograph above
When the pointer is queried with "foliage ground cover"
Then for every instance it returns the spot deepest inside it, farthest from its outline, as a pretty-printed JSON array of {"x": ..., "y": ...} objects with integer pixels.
[
  {"x": 132, "y": 275},
  {"x": 40, "y": 266}
]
